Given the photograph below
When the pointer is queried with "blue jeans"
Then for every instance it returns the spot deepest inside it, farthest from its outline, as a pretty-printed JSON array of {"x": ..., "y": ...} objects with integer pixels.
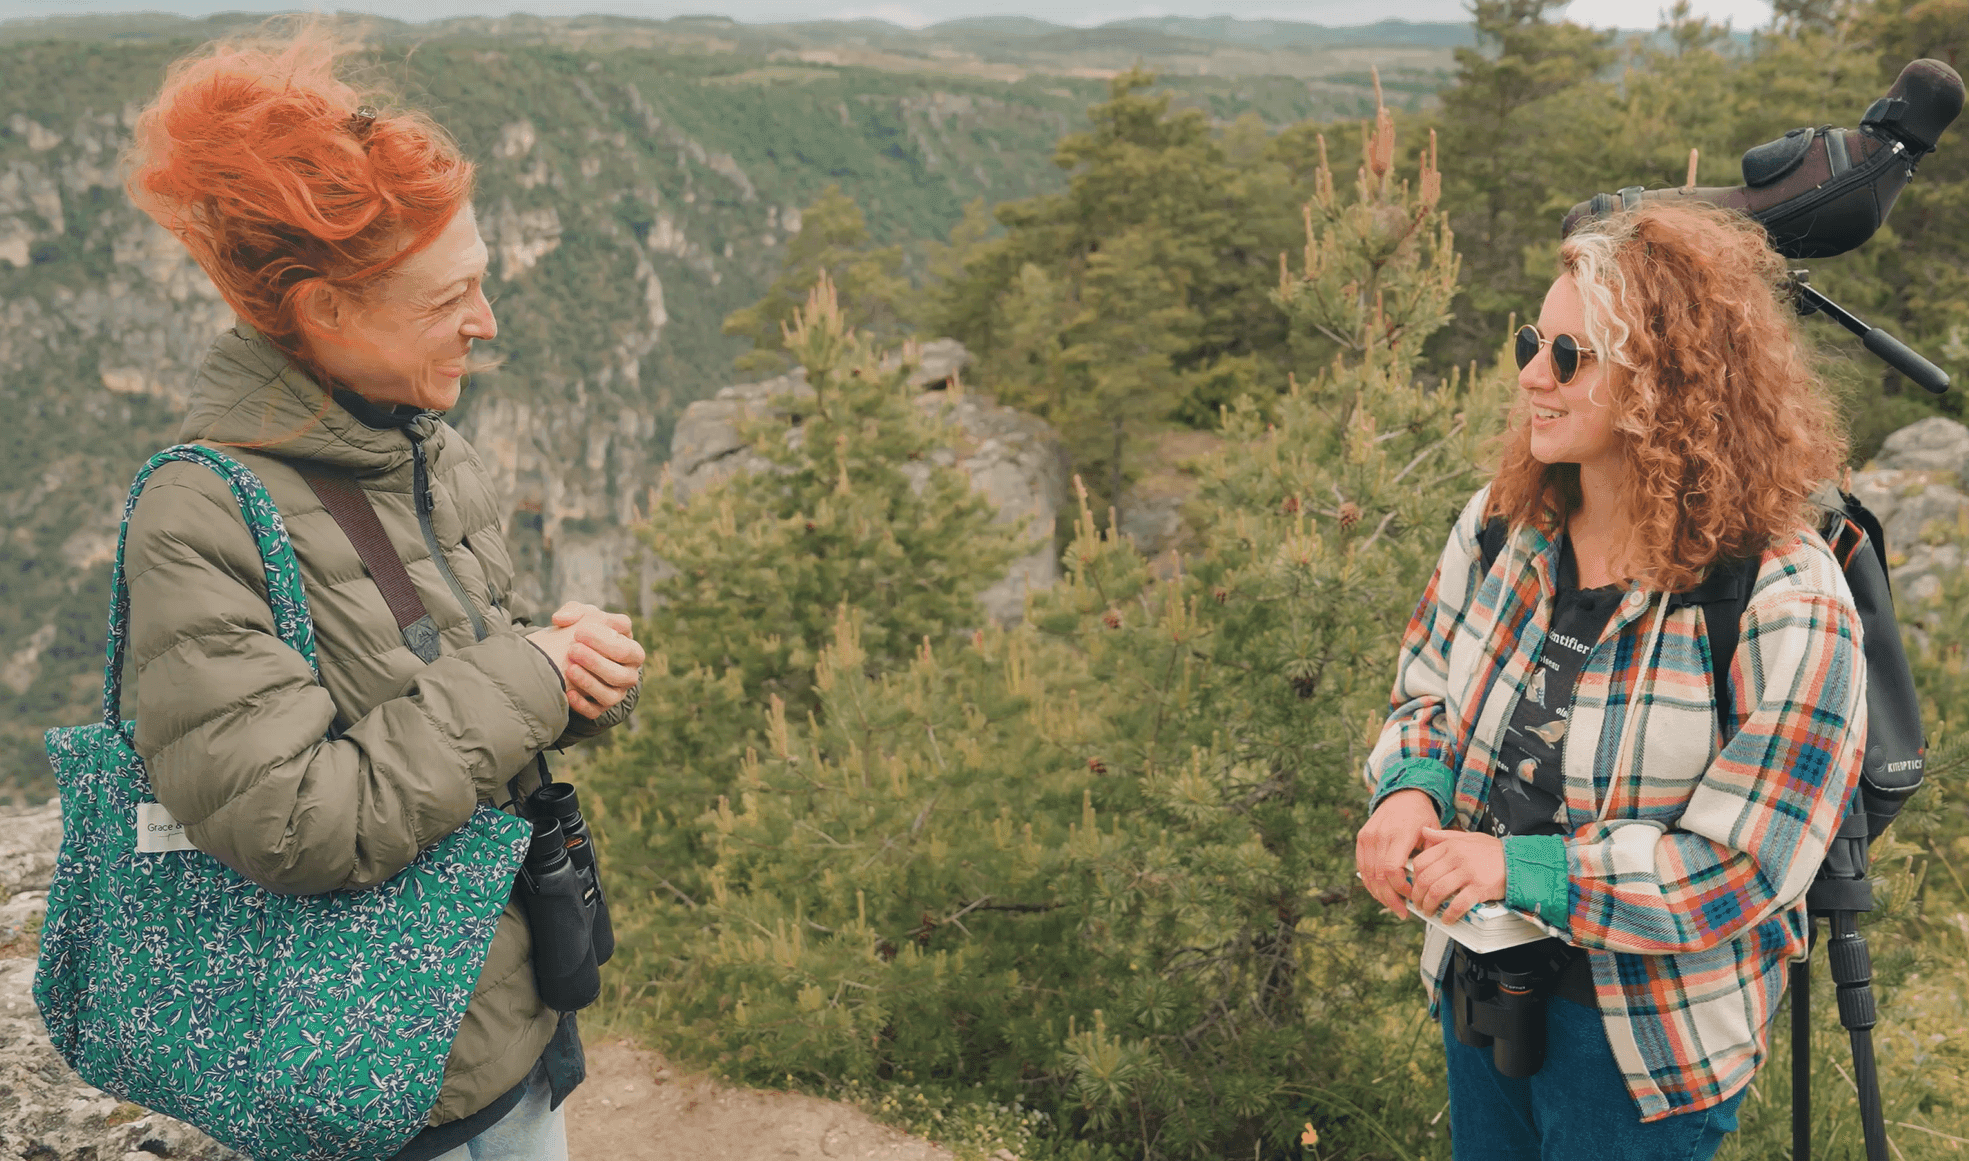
[
  {"x": 530, "y": 1132},
  {"x": 1576, "y": 1106}
]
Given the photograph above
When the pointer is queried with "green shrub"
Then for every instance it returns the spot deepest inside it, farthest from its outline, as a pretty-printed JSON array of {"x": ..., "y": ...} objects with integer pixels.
[{"x": 1098, "y": 865}]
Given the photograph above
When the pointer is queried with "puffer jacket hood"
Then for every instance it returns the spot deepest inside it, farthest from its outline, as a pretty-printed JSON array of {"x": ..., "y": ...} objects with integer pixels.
[{"x": 307, "y": 786}]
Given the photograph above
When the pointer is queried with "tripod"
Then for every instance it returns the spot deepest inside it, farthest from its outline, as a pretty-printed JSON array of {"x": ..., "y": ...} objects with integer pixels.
[
  {"x": 1893, "y": 771},
  {"x": 1884, "y": 346},
  {"x": 1838, "y": 896}
]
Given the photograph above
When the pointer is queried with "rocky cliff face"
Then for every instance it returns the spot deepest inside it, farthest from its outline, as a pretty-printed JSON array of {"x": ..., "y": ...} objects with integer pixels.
[
  {"x": 1915, "y": 487},
  {"x": 1013, "y": 459},
  {"x": 631, "y": 198}
]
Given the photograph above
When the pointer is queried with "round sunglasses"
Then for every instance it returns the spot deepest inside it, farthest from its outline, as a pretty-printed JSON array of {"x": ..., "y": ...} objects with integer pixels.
[{"x": 1566, "y": 352}]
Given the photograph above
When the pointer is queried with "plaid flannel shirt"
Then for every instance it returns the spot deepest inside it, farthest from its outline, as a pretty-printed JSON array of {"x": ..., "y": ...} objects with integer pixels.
[{"x": 1688, "y": 886}]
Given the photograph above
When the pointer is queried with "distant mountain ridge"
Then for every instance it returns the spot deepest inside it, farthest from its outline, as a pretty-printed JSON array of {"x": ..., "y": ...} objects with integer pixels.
[
  {"x": 1217, "y": 45},
  {"x": 1295, "y": 34}
]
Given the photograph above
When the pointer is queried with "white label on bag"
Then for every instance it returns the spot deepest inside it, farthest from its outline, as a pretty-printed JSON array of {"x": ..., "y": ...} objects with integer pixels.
[{"x": 157, "y": 831}]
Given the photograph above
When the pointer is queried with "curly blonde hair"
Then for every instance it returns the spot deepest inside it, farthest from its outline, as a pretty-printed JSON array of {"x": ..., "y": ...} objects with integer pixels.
[{"x": 1727, "y": 431}]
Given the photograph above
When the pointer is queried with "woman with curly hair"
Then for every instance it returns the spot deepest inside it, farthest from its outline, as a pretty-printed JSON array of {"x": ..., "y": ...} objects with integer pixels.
[{"x": 1556, "y": 742}]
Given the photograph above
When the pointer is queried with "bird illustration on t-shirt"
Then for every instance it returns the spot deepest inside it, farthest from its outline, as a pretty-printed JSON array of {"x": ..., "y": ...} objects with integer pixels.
[{"x": 1550, "y": 732}]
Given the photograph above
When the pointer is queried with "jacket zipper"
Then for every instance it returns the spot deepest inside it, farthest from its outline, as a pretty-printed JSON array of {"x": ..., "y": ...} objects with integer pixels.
[{"x": 421, "y": 500}]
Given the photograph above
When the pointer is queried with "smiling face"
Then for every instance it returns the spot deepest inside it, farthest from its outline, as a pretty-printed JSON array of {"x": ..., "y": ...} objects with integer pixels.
[
  {"x": 1567, "y": 426},
  {"x": 407, "y": 339}
]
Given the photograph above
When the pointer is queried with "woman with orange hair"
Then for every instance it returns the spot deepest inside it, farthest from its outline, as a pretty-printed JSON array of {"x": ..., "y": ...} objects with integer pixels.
[
  {"x": 1556, "y": 742},
  {"x": 344, "y": 239}
]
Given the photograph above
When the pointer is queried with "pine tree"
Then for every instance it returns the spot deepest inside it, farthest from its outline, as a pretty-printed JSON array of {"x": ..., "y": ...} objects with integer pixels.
[
  {"x": 853, "y": 510},
  {"x": 832, "y": 241},
  {"x": 1134, "y": 299},
  {"x": 1525, "y": 118},
  {"x": 1101, "y": 862}
]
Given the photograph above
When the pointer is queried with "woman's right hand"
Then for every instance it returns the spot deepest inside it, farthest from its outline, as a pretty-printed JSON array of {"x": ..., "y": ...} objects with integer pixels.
[
  {"x": 1391, "y": 837},
  {"x": 582, "y": 639}
]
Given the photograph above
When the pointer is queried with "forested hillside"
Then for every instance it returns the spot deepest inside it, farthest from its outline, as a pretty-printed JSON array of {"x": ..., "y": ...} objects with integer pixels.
[{"x": 639, "y": 181}]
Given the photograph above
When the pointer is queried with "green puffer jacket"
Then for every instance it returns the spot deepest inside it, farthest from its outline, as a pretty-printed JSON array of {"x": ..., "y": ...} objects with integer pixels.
[{"x": 234, "y": 729}]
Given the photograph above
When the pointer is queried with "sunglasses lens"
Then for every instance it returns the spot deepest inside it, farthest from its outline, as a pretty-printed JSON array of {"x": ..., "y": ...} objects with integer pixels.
[
  {"x": 1565, "y": 358},
  {"x": 1527, "y": 346}
]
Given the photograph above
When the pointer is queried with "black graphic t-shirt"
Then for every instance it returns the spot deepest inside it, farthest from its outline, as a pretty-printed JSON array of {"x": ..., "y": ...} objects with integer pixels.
[{"x": 1529, "y": 793}]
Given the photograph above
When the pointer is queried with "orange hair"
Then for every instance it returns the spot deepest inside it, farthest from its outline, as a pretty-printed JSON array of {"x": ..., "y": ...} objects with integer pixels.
[
  {"x": 1726, "y": 428},
  {"x": 253, "y": 157}
]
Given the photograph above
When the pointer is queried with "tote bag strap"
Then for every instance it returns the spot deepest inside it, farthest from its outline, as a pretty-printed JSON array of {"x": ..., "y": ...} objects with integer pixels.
[{"x": 285, "y": 595}]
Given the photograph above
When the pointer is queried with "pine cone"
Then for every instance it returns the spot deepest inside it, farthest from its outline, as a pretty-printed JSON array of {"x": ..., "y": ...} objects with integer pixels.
[
  {"x": 1350, "y": 514},
  {"x": 1111, "y": 618}
]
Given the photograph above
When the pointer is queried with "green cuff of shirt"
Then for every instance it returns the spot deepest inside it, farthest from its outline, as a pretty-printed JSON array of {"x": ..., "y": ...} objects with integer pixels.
[
  {"x": 1425, "y": 774},
  {"x": 1535, "y": 877}
]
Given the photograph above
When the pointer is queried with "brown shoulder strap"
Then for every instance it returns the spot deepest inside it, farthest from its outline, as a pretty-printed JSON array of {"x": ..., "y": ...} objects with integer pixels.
[{"x": 353, "y": 512}]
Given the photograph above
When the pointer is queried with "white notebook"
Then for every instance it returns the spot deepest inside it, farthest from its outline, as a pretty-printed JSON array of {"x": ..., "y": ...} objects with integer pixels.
[{"x": 1490, "y": 927}]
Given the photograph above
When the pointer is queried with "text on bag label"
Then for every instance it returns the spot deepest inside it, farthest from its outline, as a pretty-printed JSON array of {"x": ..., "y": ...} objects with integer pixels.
[{"x": 157, "y": 831}]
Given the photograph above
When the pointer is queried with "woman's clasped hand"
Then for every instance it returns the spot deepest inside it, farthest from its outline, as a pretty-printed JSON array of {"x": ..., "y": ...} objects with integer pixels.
[
  {"x": 598, "y": 658},
  {"x": 1456, "y": 868},
  {"x": 1383, "y": 847}
]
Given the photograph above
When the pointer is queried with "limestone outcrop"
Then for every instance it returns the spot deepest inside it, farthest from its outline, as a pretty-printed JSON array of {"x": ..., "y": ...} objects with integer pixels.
[
  {"x": 1014, "y": 459},
  {"x": 1915, "y": 487},
  {"x": 48, "y": 1113}
]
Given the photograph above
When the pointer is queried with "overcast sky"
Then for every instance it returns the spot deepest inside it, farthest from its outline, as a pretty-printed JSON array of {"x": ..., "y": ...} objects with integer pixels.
[{"x": 1603, "y": 13}]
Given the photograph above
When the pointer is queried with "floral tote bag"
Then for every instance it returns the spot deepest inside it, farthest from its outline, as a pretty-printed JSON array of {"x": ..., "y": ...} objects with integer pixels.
[{"x": 297, "y": 1028}]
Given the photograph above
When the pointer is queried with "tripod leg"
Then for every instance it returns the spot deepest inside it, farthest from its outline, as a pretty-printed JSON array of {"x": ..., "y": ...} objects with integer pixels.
[
  {"x": 1801, "y": 1056},
  {"x": 1852, "y": 973}
]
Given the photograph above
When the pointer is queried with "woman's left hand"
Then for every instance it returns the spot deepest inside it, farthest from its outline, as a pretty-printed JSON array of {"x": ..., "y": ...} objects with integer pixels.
[
  {"x": 1457, "y": 867},
  {"x": 604, "y": 663}
]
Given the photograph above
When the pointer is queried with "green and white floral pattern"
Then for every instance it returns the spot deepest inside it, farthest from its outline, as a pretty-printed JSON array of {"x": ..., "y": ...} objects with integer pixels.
[{"x": 290, "y": 1027}]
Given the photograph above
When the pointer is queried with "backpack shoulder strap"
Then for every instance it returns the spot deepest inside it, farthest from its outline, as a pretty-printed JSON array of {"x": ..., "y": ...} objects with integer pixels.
[
  {"x": 1723, "y": 625},
  {"x": 1724, "y": 595},
  {"x": 1490, "y": 542},
  {"x": 1896, "y": 744},
  {"x": 356, "y": 516}
]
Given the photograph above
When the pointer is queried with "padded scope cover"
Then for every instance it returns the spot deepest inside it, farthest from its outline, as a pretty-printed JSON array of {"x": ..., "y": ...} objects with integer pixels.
[{"x": 1823, "y": 191}]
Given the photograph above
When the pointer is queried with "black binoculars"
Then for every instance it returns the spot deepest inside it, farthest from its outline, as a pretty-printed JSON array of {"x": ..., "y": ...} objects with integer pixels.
[
  {"x": 1499, "y": 998},
  {"x": 560, "y": 886}
]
